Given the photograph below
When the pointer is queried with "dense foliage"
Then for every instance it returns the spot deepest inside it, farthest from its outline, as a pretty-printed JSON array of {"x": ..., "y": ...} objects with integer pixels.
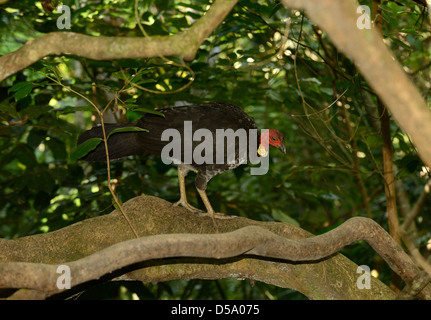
[{"x": 272, "y": 62}]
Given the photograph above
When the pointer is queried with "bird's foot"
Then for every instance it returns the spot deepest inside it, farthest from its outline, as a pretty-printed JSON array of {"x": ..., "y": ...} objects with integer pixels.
[
  {"x": 187, "y": 206},
  {"x": 216, "y": 216}
]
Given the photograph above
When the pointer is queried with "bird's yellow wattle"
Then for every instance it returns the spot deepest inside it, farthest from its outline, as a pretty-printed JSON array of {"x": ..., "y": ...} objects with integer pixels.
[{"x": 262, "y": 151}]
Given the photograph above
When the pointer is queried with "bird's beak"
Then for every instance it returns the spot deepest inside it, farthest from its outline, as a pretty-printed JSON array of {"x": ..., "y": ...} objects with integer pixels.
[{"x": 282, "y": 148}]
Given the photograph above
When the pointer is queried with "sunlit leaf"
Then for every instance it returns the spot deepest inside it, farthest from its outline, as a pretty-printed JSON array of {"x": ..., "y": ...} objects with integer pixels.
[
  {"x": 127, "y": 129},
  {"x": 147, "y": 110}
]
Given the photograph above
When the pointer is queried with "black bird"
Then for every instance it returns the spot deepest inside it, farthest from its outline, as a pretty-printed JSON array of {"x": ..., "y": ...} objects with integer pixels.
[{"x": 192, "y": 125}]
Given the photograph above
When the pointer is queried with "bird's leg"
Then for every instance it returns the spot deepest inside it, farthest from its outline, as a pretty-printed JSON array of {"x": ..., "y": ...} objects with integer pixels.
[
  {"x": 183, "y": 196},
  {"x": 206, "y": 201},
  {"x": 210, "y": 210}
]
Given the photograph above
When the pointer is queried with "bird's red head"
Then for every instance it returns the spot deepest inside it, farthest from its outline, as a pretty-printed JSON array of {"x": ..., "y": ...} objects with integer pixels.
[{"x": 272, "y": 137}]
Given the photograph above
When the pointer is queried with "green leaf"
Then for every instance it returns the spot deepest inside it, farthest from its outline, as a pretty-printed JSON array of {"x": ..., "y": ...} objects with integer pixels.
[
  {"x": 70, "y": 109},
  {"x": 21, "y": 89},
  {"x": 24, "y": 154},
  {"x": 126, "y": 129},
  {"x": 35, "y": 137},
  {"x": 84, "y": 148},
  {"x": 408, "y": 165},
  {"x": 8, "y": 108},
  {"x": 283, "y": 217},
  {"x": 17, "y": 86},
  {"x": 35, "y": 111},
  {"x": 115, "y": 204},
  {"x": 57, "y": 148},
  {"x": 146, "y": 110}
]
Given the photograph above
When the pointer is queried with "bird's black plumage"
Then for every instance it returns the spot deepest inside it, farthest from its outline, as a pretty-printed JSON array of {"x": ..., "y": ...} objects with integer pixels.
[{"x": 210, "y": 116}]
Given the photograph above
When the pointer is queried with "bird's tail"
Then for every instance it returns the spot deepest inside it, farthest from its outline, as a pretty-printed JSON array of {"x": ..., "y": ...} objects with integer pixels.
[{"x": 120, "y": 144}]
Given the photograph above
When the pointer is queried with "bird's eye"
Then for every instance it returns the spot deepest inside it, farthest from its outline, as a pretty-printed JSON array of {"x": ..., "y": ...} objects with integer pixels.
[{"x": 273, "y": 139}]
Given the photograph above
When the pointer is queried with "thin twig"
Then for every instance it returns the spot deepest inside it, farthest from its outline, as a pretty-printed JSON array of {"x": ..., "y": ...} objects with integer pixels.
[{"x": 105, "y": 141}]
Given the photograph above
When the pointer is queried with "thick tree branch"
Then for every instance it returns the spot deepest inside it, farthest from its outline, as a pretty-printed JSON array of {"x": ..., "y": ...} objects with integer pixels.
[
  {"x": 410, "y": 291},
  {"x": 101, "y": 245},
  {"x": 388, "y": 164},
  {"x": 183, "y": 44}
]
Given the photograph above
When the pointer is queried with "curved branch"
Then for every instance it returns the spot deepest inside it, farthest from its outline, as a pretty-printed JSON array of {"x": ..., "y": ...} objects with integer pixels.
[
  {"x": 268, "y": 240},
  {"x": 184, "y": 44},
  {"x": 250, "y": 240}
]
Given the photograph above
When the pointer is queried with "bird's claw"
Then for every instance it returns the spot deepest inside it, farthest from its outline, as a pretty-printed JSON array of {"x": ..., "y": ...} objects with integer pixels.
[
  {"x": 216, "y": 215},
  {"x": 187, "y": 206}
]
